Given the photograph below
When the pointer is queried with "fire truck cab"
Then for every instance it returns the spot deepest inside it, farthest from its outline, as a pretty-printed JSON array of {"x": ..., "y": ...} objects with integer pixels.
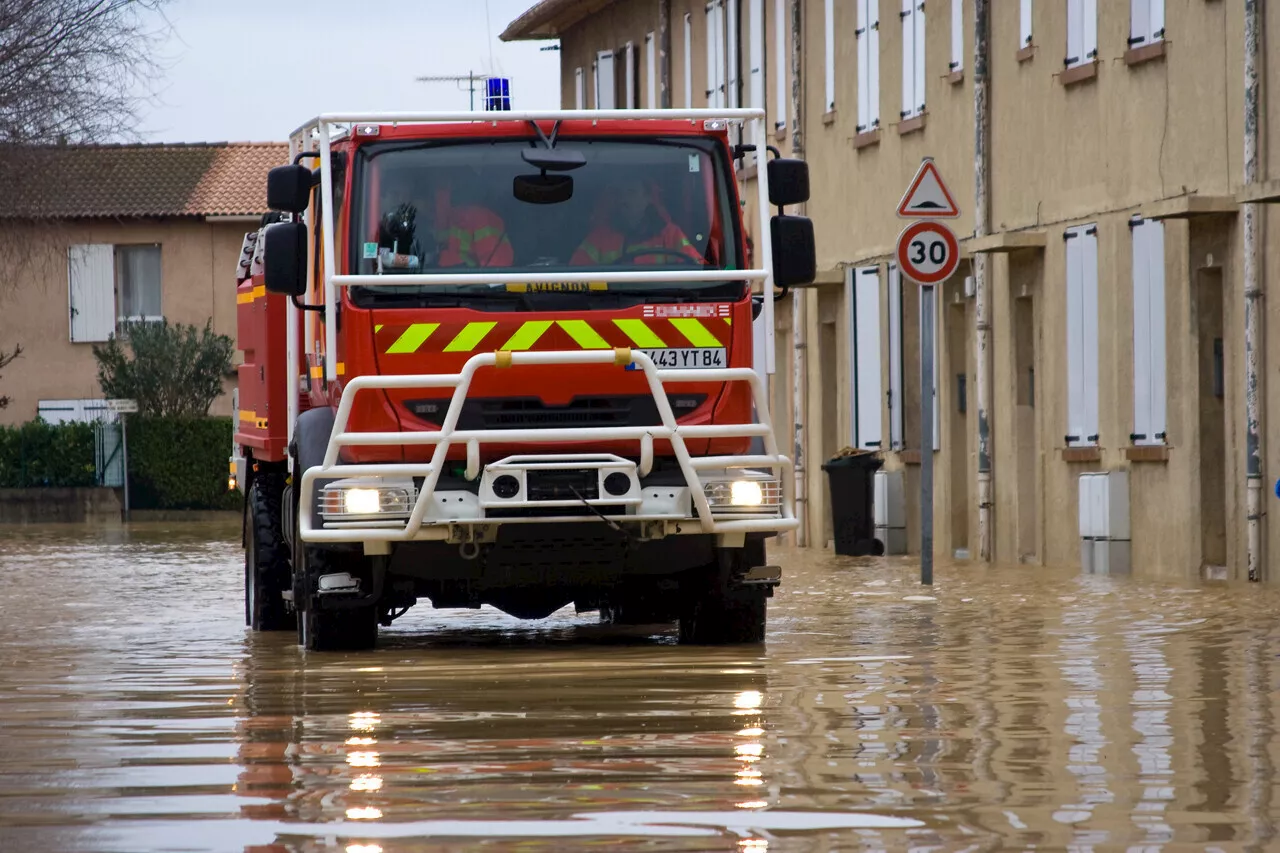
[{"x": 508, "y": 359}]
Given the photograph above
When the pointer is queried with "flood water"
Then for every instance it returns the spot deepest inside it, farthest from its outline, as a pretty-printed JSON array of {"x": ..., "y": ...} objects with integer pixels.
[{"x": 1017, "y": 708}]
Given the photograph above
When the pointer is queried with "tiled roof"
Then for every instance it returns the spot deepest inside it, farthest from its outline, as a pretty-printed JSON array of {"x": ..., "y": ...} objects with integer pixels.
[
  {"x": 120, "y": 181},
  {"x": 548, "y": 19}
]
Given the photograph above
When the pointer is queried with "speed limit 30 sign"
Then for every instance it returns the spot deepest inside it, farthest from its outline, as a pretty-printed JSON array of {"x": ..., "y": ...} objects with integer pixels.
[{"x": 928, "y": 252}]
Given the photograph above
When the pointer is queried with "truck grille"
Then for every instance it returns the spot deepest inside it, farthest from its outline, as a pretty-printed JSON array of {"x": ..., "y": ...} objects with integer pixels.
[{"x": 533, "y": 413}]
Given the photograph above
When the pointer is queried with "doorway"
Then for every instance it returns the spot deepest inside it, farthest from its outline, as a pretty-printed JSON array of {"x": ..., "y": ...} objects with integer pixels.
[
  {"x": 1213, "y": 432},
  {"x": 957, "y": 332},
  {"x": 1025, "y": 433}
]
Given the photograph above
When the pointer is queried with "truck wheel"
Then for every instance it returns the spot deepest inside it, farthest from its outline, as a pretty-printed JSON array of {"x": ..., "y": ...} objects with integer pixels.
[
  {"x": 719, "y": 613},
  {"x": 266, "y": 557},
  {"x": 321, "y": 630}
]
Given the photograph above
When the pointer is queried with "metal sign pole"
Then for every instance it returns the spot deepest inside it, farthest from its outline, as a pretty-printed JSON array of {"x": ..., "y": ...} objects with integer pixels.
[
  {"x": 124, "y": 453},
  {"x": 927, "y": 343}
]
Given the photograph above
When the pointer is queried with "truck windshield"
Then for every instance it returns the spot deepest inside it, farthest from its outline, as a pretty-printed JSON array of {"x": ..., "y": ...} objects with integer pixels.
[{"x": 444, "y": 206}]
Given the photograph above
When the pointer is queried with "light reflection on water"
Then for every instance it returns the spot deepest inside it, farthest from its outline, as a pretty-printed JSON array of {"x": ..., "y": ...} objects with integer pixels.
[{"x": 1010, "y": 707}]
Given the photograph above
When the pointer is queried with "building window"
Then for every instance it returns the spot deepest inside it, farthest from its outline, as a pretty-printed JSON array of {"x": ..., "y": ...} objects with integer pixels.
[
  {"x": 1082, "y": 336},
  {"x": 1149, "y": 388},
  {"x": 755, "y": 57},
  {"x": 606, "y": 85},
  {"x": 868, "y": 44},
  {"x": 1146, "y": 22},
  {"x": 913, "y": 56},
  {"x": 1082, "y": 32},
  {"x": 829, "y": 53},
  {"x": 109, "y": 286},
  {"x": 957, "y": 35},
  {"x": 650, "y": 72},
  {"x": 1024, "y": 30},
  {"x": 780, "y": 51},
  {"x": 863, "y": 298},
  {"x": 579, "y": 89},
  {"x": 715, "y": 54},
  {"x": 895, "y": 401},
  {"x": 688, "y": 61}
]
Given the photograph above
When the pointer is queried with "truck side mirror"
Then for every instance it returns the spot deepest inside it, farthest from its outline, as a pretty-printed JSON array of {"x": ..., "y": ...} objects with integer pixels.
[
  {"x": 788, "y": 182},
  {"x": 289, "y": 188},
  {"x": 284, "y": 258},
  {"x": 795, "y": 256}
]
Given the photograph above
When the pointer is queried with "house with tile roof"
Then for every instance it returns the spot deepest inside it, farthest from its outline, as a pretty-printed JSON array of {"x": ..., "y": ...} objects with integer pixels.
[{"x": 92, "y": 237}]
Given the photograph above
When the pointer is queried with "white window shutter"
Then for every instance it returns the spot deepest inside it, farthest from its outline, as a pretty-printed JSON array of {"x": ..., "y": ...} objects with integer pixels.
[
  {"x": 731, "y": 30},
  {"x": 868, "y": 398},
  {"x": 1142, "y": 430},
  {"x": 688, "y": 60},
  {"x": 1090, "y": 13},
  {"x": 1075, "y": 33},
  {"x": 606, "y": 87},
  {"x": 651, "y": 72},
  {"x": 629, "y": 75},
  {"x": 908, "y": 58},
  {"x": 1025, "y": 31},
  {"x": 829, "y": 53},
  {"x": 920, "y": 54},
  {"x": 1159, "y": 388},
  {"x": 579, "y": 90},
  {"x": 895, "y": 358},
  {"x": 1090, "y": 311},
  {"x": 783, "y": 94},
  {"x": 1075, "y": 436},
  {"x": 873, "y": 62},
  {"x": 1157, "y": 20},
  {"x": 91, "y": 291},
  {"x": 1139, "y": 22},
  {"x": 756, "y": 57},
  {"x": 715, "y": 54},
  {"x": 957, "y": 35},
  {"x": 862, "y": 45}
]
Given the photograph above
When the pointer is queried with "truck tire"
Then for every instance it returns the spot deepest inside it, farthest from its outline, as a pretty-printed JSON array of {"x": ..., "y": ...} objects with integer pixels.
[
  {"x": 266, "y": 557},
  {"x": 720, "y": 613},
  {"x": 350, "y": 629}
]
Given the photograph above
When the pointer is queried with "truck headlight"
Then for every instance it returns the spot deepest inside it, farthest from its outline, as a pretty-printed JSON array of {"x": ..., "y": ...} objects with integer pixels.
[
  {"x": 364, "y": 498},
  {"x": 744, "y": 494}
]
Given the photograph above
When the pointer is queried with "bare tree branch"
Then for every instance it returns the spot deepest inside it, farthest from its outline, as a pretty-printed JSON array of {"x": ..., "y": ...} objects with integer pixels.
[{"x": 7, "y": 358}]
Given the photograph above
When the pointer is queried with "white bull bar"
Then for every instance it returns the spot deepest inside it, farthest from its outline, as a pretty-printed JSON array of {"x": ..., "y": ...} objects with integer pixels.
[{"x": 449, "y": 435}]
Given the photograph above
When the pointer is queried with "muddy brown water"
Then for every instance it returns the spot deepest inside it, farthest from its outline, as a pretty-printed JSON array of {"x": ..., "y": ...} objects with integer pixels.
[{"x": 1007, "y": 708}]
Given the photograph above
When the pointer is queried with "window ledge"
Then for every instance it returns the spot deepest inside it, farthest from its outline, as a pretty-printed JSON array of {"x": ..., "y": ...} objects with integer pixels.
[
  {"x": 911, "y": 125},
  {"x": 911, "y": 457},
  {"x": 1147, "y": 453},
  {"x": 1082, "y": 454},
  {"x": 1079, "y": 74},
  {"x": 866, "y": 139},
  {"x": 780, "y": 133},
  {"x": 1027, "y": 53},
  {"x": 955, "y": 78},
  {"x": 1146, "y": 53},
  {"x": 749, "y": 173},
  {"x": 829, "y": 118}
]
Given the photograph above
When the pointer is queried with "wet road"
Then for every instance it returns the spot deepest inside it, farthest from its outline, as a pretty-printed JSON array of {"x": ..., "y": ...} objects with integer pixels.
[{"x": 1009, "y": 708}]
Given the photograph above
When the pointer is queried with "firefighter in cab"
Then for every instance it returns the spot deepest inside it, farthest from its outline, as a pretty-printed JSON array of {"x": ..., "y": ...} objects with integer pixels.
[
  {"x": 634, "y": 230},
  {"x": 463, "y": 234}
]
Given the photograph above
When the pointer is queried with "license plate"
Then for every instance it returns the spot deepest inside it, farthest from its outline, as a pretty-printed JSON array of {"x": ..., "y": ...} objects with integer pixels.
[{"x": 708, "y": 358}]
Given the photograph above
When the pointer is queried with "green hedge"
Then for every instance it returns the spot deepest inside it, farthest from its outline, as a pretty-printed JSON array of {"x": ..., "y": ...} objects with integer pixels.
[
  {"x": 180, "y": 463},
  {"x": 37, "y": 454}
]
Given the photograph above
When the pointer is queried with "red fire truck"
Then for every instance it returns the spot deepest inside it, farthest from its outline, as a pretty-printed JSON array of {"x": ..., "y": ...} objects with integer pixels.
[{"x": 507, "y": 359}]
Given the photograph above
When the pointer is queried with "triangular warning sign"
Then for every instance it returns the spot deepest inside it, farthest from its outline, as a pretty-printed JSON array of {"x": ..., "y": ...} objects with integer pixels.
[{"x": 928, "y": 196}]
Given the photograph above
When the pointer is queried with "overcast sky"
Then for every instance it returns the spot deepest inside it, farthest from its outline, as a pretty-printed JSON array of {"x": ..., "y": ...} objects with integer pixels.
[{"x": 251, "y": 70}]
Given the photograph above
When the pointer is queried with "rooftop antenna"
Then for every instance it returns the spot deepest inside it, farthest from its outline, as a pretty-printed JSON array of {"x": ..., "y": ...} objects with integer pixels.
[{"x": 471, "y": 79}]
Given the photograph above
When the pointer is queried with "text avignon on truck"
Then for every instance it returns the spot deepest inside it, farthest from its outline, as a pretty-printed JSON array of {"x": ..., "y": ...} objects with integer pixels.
[{"x": 506, "y": 359}]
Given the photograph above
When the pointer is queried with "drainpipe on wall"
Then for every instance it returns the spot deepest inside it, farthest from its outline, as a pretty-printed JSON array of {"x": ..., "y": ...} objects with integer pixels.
[
  {"x": 799, "y": 372},
  {"x": 982, "y": 309},
  {"x": 664, "y": 53},
  {"x": 1253, "y": 317}
]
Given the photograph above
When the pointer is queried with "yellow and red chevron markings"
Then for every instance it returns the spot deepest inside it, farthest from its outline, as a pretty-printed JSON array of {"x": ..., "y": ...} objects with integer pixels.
[{"x": 570, "y": 334}]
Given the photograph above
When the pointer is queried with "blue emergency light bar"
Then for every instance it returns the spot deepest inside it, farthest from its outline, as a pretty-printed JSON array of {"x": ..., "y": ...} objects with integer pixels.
[{"x": 497, "y": 94}]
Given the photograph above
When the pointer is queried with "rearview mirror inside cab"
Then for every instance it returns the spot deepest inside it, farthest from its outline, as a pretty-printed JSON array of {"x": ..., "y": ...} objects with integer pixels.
[
  {"x": 788, "y": 182},
  {"x": 543, "y": 189},
  {"x": 284, "y": 258},
  {"x": 289, "y": 188},
  {"x": 795, "y": 256}
]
